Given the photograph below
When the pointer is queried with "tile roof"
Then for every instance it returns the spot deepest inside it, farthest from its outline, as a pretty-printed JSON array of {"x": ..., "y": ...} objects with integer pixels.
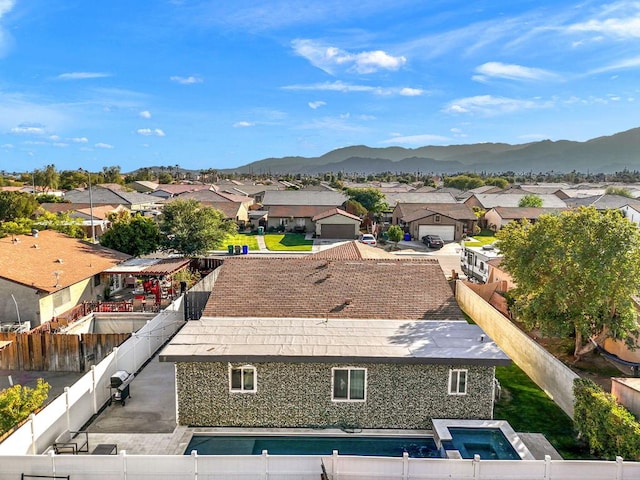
[
  {"x": 23, "y": 263},
  {"x": 298, "y": 211},
  {"x": 303, "y": 197},
  {"x": 315, "y": 288},
  {"x": 335, "y": 211},
  {"x": 353, "y": 250}
]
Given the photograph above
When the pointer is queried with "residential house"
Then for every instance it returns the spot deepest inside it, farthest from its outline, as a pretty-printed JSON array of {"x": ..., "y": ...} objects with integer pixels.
[
  {"x": 143, "y": 186},
  {"x": 451, "y": 221},
  {"x": 336, "y": 223},
  {"x": 47, "y": 273},
  {"x": 134, "y": 201},
  {"x": 498, "y": 217},
  {"x": 364, "y": 349},
  {"x": 95, "y": 219},
  {"x": 629, "y": 207},
  {"x": 172, "y": 190},
  {"x": 510, "y": 198},
  {"x": 293, "y": 210}
]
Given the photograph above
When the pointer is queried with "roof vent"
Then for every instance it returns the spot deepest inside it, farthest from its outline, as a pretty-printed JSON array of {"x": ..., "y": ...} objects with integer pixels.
[
  {"x": 487, "y": 247},
  {"x": 59, "y": 260},
  {"x": 35, "y": 245}
]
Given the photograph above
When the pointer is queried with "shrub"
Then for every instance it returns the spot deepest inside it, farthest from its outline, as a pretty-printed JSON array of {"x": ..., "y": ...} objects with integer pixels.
[
  {"x": 609, "y": 428},
  {"x": 18, "y": 402}
]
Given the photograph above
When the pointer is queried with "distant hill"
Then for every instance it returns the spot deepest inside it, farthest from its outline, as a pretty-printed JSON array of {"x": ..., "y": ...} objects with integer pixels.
[{"x": 602, "y": 154}]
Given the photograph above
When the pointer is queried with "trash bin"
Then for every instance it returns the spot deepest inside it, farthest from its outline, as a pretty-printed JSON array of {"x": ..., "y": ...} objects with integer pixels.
[
  {"x": 238, "y": 249},
  {"x": 245, "y": 249},
  {"x": 260, "y": 230},
  {"x": 230, "y": 249},
  {"x": 407, "y": 237}
]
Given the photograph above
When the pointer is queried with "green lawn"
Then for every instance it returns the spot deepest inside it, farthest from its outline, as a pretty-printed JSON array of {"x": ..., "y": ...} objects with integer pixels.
[
  {"x": 287, "y": 242},
  {"x": 529, "y": 409},
  {"x": 241, "y": 239},
  {"x": 485, "y": 237}
]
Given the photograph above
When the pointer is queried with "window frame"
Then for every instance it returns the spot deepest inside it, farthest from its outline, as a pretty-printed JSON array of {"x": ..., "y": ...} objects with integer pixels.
[
  {"x": 457, "y": 372},
  {"x": 242, "y": 373},
  {"x": 348, "y": 399}
]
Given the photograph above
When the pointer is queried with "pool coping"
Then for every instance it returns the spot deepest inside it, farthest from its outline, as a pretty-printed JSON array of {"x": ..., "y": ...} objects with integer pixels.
[{"x": 441, "y": 432}]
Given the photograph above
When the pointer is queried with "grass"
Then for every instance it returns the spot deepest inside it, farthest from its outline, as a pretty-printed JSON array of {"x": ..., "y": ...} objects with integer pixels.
[
  {"x": 529, "y": 409},
  {"x": 287, "y": 242},
  {"x": 241, "y": 239},
  {"x": 485, "y": 237}
]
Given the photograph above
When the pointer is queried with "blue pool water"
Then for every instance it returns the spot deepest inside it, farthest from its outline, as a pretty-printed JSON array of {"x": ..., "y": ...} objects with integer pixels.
[
  {"x": 416, "y": 447},
  {"x": 489, "y": 443}
]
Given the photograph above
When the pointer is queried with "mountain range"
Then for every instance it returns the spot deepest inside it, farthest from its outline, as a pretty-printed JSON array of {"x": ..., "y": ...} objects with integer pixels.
[{"x": 603, "y": 154}]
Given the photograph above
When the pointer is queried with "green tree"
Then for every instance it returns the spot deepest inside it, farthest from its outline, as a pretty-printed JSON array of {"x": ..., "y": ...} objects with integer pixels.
[
  {"x": 370, "y": 198},
  {"x": 530, "y": 200},
  {"x": 497, "y": 182},
  {"x": 61, "y": 222},
  {"x": 15, "y": 205},
  {"x": 190, "y": 228},
  {"x": 19, "y": 226},
  {"x": 355, "y": 208},
  {"x": 576, "y": 273},
  {"x": 132, "y": 235},
  {"x": 464, "y": 182},
  {"x": 395, "y": 234},
  {"x": 18, "y": 402},
  {"x": 620, "y": 191},
  {"x": 165, "y": 178}
]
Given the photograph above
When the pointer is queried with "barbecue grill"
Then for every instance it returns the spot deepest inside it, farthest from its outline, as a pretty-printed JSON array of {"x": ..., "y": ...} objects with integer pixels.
[{"x": 119, "y": 386}]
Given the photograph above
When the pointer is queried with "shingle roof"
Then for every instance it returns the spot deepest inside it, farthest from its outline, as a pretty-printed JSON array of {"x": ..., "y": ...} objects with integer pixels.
[
  {"x": 311, "y": 287},
  {"x": 457, "y": 211},
  {"x": 23, "y": 263},
  {"x": 490, "y": 200},
  {"x": 604, "y": 202},
  {"x": 299, "y": 211},
  {"x": 419, "y": 197},
  {"x": 334, "y": 211},
  {"x": 108, "y": 197},
  {"x": 353, "y": 250},
  {"x": 531, "y": 213}
]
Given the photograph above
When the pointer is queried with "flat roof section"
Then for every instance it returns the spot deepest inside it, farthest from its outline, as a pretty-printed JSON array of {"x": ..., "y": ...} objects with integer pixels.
[{"x": 325, "y": 340}]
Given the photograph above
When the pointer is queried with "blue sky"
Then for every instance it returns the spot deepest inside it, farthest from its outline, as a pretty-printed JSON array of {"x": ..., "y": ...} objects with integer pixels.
[{"x": 219, "y": 84}]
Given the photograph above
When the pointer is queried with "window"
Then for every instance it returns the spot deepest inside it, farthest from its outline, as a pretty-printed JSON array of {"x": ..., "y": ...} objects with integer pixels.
[
  {"x": 96, "y": 280},
  {"x": 242, "y": 379},
  {"x": 349, "y": 384},
  {"x": 457, "y": 382},
  {"x": 437, "y": 218}
]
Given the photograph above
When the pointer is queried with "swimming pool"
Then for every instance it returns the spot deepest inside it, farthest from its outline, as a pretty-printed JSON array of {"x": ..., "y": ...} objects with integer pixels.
[
  {"x": 489, "y": 443},
  {"x": 416, "y": 447}
]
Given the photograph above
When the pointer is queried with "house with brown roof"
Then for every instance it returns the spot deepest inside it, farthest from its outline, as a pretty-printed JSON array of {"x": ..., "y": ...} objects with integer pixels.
[
  {"x": 326, "y": 342},
  {"x": 336, "y": 223},
  {"x": 47, "y": 273},
  {"x": 498, "y": 217},
  {"x": 451, "y": 221}
]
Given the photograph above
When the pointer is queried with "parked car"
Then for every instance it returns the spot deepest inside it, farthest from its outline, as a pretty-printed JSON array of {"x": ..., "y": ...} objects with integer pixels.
[
  {"x": 368, "y": 239},
  {"x": 433, "y": 241}
]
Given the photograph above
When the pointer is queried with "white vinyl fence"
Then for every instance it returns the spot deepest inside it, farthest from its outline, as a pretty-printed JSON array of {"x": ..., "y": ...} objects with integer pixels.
[{"x": 84, "y": 398}]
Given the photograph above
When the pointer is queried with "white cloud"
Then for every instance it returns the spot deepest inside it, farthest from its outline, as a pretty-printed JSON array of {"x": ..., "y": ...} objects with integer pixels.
[
  {"x": 149, "y": 132},
  {"x": 5, "y": 38},
  {"x": 511, "y": 72},
  {"x": 243, "y": 124},
  {"x": 411, "y": 92},
  {"x": 60, "y": 144},
  {"x": 28, "y": 129},
  {"x": 190, "y": 80},
  {"x": 7, "y": 145},
  {"x": 145, "y": 114},
  {"x": 620, "y": 65},
  {"x": 416, "y": 139},
  {"x": 490, "y": 105},
  {"x": 80, "y": 140},
  {"x": 330, "y": 59},
  {"x": 317, "y": 104},
  {"x": 54, "y": 138},
  {"x": 82, "y": 75},
  {"x": 627, "y": 25},
  {"x": 106, "y": 146}
]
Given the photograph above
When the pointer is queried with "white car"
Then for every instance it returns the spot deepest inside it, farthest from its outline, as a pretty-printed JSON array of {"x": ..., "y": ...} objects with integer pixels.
[{"x": 368, "y": 239}]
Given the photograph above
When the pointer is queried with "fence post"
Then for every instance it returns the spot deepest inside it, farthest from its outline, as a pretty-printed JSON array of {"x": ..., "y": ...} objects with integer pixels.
[
  {"x": 123, "y": 455},
  {"x": 135, "y": 346},
  {"x": 94, "y": 385},
  {"x": 265, "y": 465},
  {"x": 115, "y": 356},
  {"x": 149, "y": 336},
  {"x": 619, "y": 468},
  {"x": 476, "y": 466},
  {"x": 32, "y": 420},
  {"x": 547, "y": 467},
  {"x": 194, "y": 455},
  {"x": 67, "y": 407},
  {"x": 405, "y": 465},
  {"x": 52, "y": 456},
  {"x": 334, "y": 463}
]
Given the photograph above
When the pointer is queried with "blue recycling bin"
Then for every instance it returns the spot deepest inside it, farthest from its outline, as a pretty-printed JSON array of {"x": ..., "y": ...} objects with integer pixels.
[
  {"x": 245, "y": 249},
  {"x": 407, "y": 237}
]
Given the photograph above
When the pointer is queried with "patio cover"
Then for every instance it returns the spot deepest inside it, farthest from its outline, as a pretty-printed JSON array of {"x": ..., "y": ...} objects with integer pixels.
[{"x": 149, "y": 266}]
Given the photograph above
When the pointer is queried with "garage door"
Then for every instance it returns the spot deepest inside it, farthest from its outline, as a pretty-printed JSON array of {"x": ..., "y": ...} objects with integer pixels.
[
  {"x": 337, "y": 231},
  {"x": 446, "y": 232}
]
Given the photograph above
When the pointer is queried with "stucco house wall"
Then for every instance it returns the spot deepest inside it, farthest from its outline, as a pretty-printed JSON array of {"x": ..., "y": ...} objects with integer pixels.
[{"x": 289, "y": 395}]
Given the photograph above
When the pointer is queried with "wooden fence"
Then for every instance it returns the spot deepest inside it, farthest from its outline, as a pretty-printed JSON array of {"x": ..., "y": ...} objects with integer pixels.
[{"x": 56, "y": 352}]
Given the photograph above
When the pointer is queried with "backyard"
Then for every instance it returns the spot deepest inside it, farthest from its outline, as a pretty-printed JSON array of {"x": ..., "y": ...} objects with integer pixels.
[
  {"x": 485, "y": 237},
  {"x": 293, "y": 242}
]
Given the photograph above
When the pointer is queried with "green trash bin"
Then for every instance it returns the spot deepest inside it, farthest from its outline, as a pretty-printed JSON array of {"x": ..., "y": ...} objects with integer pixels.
[
  {"x": 260, "y": 230},
  {"x": 230, "y": 249}
]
